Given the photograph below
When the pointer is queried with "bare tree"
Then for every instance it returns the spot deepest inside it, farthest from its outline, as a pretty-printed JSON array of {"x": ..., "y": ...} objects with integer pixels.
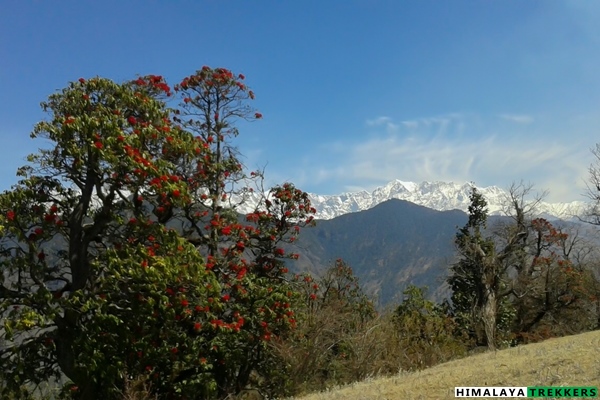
[{"x": 592, "y": 213}]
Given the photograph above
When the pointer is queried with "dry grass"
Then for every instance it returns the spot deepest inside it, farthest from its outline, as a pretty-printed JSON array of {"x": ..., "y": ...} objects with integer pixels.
[{"x": 566, "y": 361}]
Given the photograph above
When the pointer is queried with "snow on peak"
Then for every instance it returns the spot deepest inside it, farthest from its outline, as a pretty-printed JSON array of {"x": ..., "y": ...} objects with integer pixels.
[{"x": 437, "y": 195}]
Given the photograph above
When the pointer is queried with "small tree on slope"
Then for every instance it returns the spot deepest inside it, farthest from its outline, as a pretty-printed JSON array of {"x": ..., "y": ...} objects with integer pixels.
[{"x": 475, "y": 279}]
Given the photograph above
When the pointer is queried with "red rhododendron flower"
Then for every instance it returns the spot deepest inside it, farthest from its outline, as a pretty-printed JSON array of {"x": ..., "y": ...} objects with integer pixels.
[
  {"x": 131, "y": 120},
  {"x": 176, "y": 193},
  {"x": 241, "y": 273},
  {"x": 197, "y": 326},
  {"x": 99, "y": 145},
  {"x": 279, "y": 251},
  {"x": 258, "y": 115},
  {"x": 225, "y": 297},
  {"x": 155, "y": 182},
  {"x": 226, "y": 230},
  {"x": 81, "y": 80},
  {"x": 184, "y": 303},
  {"x": 241, "y": 76},
  {"x": 10, "y": 215}
]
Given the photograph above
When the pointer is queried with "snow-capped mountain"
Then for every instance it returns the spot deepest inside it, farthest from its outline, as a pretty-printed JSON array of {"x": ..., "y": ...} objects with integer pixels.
[{"x": 439, "y": 196}]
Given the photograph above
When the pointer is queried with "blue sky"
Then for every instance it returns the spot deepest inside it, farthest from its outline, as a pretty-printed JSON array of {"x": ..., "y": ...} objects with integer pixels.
[{"x": 354, "y": 93}]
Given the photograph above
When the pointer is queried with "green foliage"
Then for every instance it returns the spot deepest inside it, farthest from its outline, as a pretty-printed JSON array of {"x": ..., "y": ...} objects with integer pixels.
[
  {"x": 553, "y": 292},
  {"x": 331, "y": 344},
  {"x": 340, "y": 339},
  {"x": 150, "y": 317},
  {"x": 123, "y": 259},
  {"x": 522, "y": 284},
  {"x": 425, "y": 331},
  {"x": 468, "y": 274}
]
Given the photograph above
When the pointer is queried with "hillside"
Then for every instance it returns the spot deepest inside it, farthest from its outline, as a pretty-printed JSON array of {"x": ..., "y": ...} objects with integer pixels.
[
  {"x": 566, "y": 361},
  {"x": 389, "y": 246},
  {"x": 397, "y": 243}
]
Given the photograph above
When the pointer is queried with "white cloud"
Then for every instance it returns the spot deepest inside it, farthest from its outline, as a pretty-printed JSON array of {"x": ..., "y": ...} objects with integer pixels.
[
  {"x": 518, "y": 118},
  {"x": 461, "y": 148},
  {"x": 378, "y": 121},
  {"x": 410, "y": 124},
  {"x": 386, "y": 122}
]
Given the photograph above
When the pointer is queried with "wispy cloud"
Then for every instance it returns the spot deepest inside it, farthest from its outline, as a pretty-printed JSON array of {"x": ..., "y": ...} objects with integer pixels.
[
  {"x": 378, "y": 121},
  {"x": 386, "y": 122},
  {"x": 518, "y": 118},
  {"x": 460, "y": 148}
]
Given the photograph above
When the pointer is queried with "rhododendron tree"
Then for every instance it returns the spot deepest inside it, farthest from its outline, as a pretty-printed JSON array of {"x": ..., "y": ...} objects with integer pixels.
[
  {"x": 247, "y": 254},
  {"x": 551, "y": 291},
  {"x": 123, "y": 256}
]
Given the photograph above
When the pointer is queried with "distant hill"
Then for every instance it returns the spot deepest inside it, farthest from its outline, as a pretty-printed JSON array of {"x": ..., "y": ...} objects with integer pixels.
[
  {"x": 389, "y": 246},
  {"x": 394, "y": 244}
]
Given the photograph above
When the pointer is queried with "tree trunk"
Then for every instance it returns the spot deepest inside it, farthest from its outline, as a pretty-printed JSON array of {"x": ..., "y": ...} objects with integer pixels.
[
  {"x": 66, "y": 357},
  {"x": 488, "y": 316}
]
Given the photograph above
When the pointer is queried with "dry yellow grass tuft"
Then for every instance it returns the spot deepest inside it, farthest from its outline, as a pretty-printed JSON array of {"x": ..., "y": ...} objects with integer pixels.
[{"x": 567, "y": 361}]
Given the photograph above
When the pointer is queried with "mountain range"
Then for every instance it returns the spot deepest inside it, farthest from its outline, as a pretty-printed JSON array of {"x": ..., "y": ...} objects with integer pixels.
[
  {"x": 403, "y": 233},
  {"x": 397, "y": 243},
  {"x": 440, "y": 196}
]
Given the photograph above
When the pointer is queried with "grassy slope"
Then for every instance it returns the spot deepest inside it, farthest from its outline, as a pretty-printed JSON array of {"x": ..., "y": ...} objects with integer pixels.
[{"x": 567, "y": 361}]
